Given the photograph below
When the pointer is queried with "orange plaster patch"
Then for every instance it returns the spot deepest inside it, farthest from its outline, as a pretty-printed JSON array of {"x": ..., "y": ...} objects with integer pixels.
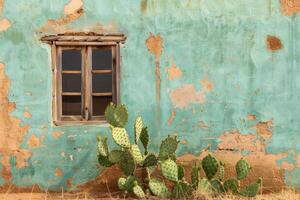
[
  {"x": 4, "y": 24},
  {"x": 73, "y": 6},
  {"x": 173, "y": 72},
  {"x": 251, "y": 117},
  {"x": 206, "y": 84},
  {"x": 58, "y": 172},
  {"x": 273, "y": 43},
  {"x": 290, "y": 7},
  {"x": 11, "y": 131},
  {"x": 34, "y": 141},
  {"x": 171, "y": 118},
  {"x": 264, "y": 129},
  {"x": 57, "y": 134},
  {"x": 27, "y": 114},
  {"x": 287, "y": 166}
]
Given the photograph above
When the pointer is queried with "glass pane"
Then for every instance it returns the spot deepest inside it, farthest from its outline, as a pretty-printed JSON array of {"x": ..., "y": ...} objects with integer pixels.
[
  {"x": 71, "y": 59},
  {"x": 102, "y": 59},
  {"x": 102, "y": 82},
  {"x": 99, "y": 105},
  {"x": 71, "y": 105},
  {"x": 71, "y": 82}
]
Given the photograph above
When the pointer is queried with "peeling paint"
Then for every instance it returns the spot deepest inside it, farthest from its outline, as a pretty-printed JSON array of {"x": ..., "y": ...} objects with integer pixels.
[
  {"x": 173, "y": 72},
  {"x": 57, "y": 134},
  {"x": 58, "y": 172},
  {"x": 251, "y": 117},
  {"x": 264, "y": 129},
  {"x": 273, "y": 43},
  {"x": 27, "y": 114},
  {"x": 73, "y": 6},
  {"x": 34, "y": 141},
  {"x": 4, "y": 23},
  {"x": 290, "y": 7},
  {"x": 171, "y": 118}
]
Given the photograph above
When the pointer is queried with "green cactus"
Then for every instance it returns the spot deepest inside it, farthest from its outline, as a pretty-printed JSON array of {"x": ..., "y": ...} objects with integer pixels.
[
  {"x": 122, "y": 183},
  {"x": 158, "y": 188},
  {"x": 221, "y": 172},
  {"x": 150, "y": 161},
  {"x": 129, "y": 184},
  {"x": 231, "y": 185},
  {"x": 204, "y": 185},
  {"x": 195, "y": 176},
  {"x": 138, "y": 127},
  {"x": 139, "y": 192},
  {"x": 169, "y": 170},
  {"x": 180, "y": 172},
  {"x": 104, "y": 161},
  {"x": 115, "y": 156},
  {"x": 116, "y": 115},
  {"x": 144, "y": 137},
  {"x": 168, "y": 148},
  {"x": 182, "y": 190},
  {"x": 210, "y": 166},
  {"x": 136, "y": 153},
  {"x": 252, "y": 189},
  {"x": 127, "y": 163},
  {"x": 217, "y": 186},
  {"x": 120, "y": 137},
  {"x": 102, "y": 147},
  {"x": 242, "y": 168}
]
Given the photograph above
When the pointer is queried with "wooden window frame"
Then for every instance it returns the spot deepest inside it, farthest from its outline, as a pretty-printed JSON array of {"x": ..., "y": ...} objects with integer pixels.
[{"x": 86, "y": 43}]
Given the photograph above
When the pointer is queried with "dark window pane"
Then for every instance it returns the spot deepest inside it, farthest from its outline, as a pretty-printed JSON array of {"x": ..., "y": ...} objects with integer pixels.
[
  {"x": 99, "y": 105},
  {"x": 102, "y": 59},
  {"x": 71, "y": 82},
  {"x": 71, "y": 59},
  {"x": 71, "y": 105},
  {"x": 102, "y": 83}
]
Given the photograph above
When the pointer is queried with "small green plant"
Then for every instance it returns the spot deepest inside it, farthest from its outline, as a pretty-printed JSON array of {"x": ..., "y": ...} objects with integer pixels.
[{"x": 131, "y": 159}]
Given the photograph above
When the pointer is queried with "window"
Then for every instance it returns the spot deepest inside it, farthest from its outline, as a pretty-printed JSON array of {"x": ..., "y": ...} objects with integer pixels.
[{"x": 85, "y": 76}]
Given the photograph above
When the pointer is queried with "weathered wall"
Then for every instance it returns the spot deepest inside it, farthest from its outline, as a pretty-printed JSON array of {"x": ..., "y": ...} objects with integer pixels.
[{"x": 217, "y": 73}]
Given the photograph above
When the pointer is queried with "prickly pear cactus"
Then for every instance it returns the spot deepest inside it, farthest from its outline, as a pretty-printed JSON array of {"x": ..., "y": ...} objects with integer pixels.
[
  {"x": 217, "y": 186},
  {"x": 104, "y": 161},
  {"x": 150, "y": 161},
  {"x": 122, "y": 183},
  {"x": 136, "y": 153},
  {"x": 195, "y": 176},
  {"x": 158, "y": 188},
  {"x": 168, "y": 148},
  {"x": 127, "y": 163},
  {"x": 115, "y": 156},
  {"x": 204, "y": 185},
  {"x": 144, "y": 137},
  {"x": 102, "y": 147},
  {"x": 210, "y": 166},
  {"x": 252, "y": 189},
  {"x": 182, "y": 190},
  {"x": 129, "y": 184},
  {"x": 221, "y": 172},
  {"x": 138, "y": 126},
  {"x": 138, "y": 191},
  {"x": 242, "y": 168},
  {"x": 169, "y": 170},
  {"x": 231, "y": 185},
  {"x": 180, "y": 172},
  {"x": 116, "y": 116},
  {"x": 120, "y": 136}
]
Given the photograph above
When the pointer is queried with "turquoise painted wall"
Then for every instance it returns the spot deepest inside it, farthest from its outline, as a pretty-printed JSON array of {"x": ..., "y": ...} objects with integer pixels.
[{"x": 223, "y": 40}]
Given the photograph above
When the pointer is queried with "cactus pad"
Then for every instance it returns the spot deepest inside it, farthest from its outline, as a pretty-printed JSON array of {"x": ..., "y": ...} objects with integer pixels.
[
  {"x": 129, "y": 184},
  {"x": 220, "y": 173},
  {"x": 169, "y": 169},
  {"x": 138, "y": 127},
  {"x": 180, "y": 172},
  {"x": 242, "y": 168},
  {"x": 231, "y": 185},
  {"x": 150, "y": 161},
  {"x": 121, "y": 183},
  {"x": 120, "y": 137},
  {"x": 127, "y": 163},
  {"x": 102, "y": 147},
  {"x": 104, "y": 161},
  {"x": 210, "y": 166},
  {"x": 252, "y": 189},
  {"x": 115, "y": 156},
  {"x": 116, "y": 115},
  {"x": 195, "y": 176},
  {"x": 138, "y": 191},
  {"x": 182, "y": 190},
  {"x": 217, "y": 186},
  {"x": 204, "y": 185},
  {"x": 168, "y": 148},
  {"x": 136, "y": 153},
  {"x": 144, "y": 137},
  {"x": 158, "y": 188}
]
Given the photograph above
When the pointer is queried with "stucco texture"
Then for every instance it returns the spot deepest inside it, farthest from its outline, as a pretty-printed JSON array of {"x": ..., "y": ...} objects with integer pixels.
[{"x": 220, "y": 74}]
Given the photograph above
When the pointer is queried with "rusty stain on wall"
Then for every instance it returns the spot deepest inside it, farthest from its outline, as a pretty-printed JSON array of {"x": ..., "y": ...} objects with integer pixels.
[
  {"x": 11, "y": 131},
  {"x": 273, "y": 43},
  {"x": 155, "y": 47},
  {"x": 173, "y": 72},
  {"x": 290, "y": 7},
  {"x": 4, "y": 23}
]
